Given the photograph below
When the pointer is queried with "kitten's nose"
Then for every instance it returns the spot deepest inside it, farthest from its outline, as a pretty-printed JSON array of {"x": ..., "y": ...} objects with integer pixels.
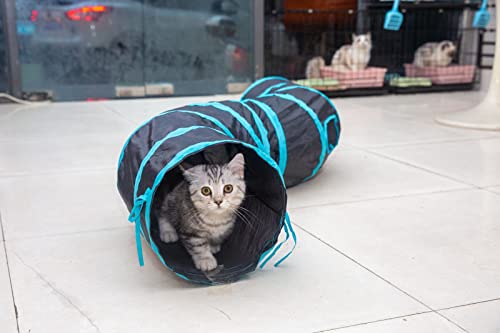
[{"x": 218, "y": 202}]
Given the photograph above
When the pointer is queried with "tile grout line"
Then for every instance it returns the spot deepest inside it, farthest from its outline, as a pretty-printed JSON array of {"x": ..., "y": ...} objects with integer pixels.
[
  {"x": 373, "y": 321},
  {"x": 30, "y": 140},
  {"x": 423, "y": 143},
  {"x": 390, "y": 197},
  {"x": 489, "y": 190},
  {"x": 469, "y": 304},
  {"x": 379, "y": 276},
  {"x": 9, "y": 274},
  {"x": 69, "y": 233},
  {"x": 112, "y": 110},
  {"x": 481, "y": 134},
  {"x": 55, "y": 172},
  {"x": 59, "y": 292},
  {"x": 421, "y": 168},
  {"x": 408, "y": 315}
]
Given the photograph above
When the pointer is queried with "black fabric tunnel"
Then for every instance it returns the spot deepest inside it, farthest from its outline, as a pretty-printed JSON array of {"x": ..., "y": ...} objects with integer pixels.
[{"x": 285, "y": 131}]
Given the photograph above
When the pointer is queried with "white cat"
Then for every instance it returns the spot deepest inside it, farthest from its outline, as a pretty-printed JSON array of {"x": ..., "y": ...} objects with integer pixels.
[
  {"x": 313, "y": 68},
  {"x": 435, "y": 54},
  {"x": 353, "y": 57}
]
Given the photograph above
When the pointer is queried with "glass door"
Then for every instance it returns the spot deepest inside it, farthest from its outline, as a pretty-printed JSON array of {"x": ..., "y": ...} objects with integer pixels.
[
  {"x": 198, "y": 46},
  {"x": 93, "y": 49},
  {"x": 81, "y": 49}
]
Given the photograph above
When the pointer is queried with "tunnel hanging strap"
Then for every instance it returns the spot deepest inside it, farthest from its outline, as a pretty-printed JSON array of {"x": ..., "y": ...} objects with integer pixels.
[
  {"x": 199, "y": 114},
  {"x": 260, "y": 81},
  {"x": 289, "y": 231},
  {"x": 331, "y": 146},
  {"x": 322, "y": 136},
  {"x": 278, "y": 128},
  {"x": 244, "y": 123},
  {"x": 135, "y": 217},
  {"x": 328, "y": 100},
  {"x": 260, "y": 125}
]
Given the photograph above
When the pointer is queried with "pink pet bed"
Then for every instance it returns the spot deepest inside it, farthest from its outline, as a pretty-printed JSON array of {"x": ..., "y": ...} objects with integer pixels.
[
  {"x": 367, "y": 78},
  {"x": 453, "y": 74}
]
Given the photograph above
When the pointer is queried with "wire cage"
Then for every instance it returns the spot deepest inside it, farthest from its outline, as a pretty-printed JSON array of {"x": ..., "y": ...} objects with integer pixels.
[{"x": 343, "y": 49}]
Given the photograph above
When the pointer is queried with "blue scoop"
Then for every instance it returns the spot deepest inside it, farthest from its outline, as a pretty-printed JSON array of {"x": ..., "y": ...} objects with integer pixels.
[
  {"x": 482, "y": 16},
  {"x": 393, "y": 18}
]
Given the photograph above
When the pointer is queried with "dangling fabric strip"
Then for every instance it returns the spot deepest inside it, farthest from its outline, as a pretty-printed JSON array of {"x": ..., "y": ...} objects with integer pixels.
[
  {"x": 288, "y": 228},
  {"x": 244, "y": 123},
  {"x": 278, "y": 128},
  {"x": 331, "y": 146},
  {"x": 273, "y": 251},
  {"x": 135, "y": 217},
  {"x": 288, "y": 231}
]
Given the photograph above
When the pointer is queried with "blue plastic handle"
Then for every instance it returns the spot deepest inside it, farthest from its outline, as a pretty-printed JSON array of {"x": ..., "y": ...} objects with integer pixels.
[{"x": 395, "y": 5}]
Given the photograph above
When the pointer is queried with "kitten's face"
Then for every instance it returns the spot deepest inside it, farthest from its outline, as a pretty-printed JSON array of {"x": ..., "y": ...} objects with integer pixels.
[
  {"x": 448, "y": 48},
  {"x": 364, "y": 41},
  {"x": 217, "y": 189}
]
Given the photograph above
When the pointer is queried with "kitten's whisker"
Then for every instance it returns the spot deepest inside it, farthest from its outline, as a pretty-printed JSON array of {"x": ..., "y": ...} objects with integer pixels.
[
  {"x": 248, "y": 211},
  {"x": 243, "y": 218},
  {"x": 240, "y": 215},
  {"x": 244, "y": 210},
  {"x": 247, "y": 220}
]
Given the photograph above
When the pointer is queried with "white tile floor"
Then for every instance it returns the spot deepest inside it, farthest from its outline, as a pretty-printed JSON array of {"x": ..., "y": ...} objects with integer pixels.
[{"x": 398, "y": 233}]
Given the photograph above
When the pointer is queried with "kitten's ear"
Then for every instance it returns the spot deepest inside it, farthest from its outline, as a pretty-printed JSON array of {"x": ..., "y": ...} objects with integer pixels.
[
  {"x": 354, "y": 36},
  {"x": 237, "y": 165},
  {"x": 188, "y": 173},
  {"x": 369, "y": 35}
]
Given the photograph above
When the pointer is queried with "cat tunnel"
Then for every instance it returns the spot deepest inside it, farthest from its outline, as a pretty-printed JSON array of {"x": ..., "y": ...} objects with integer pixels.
[{"x": 285, "y": 131}]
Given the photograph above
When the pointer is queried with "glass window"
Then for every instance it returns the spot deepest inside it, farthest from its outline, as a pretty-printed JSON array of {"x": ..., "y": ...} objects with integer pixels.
[
  {"x": 81, "y": 49},
  {"x": 198, "y": 46}
]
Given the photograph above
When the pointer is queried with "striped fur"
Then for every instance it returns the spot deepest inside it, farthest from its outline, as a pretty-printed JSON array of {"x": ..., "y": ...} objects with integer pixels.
[{"x": 203, "y": 222}]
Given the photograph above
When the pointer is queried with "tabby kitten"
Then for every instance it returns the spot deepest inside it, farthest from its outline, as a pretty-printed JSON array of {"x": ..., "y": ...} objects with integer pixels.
[
  {"x": 435, "y": 54},
  {"x": 353, "y": 57},
  {"x": 202, "y": 210}
]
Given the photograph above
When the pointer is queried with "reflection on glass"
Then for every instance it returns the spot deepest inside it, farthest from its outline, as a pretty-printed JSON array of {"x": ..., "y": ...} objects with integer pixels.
[
  {"x": 106, "y": 48},
  {"x": 80, "y": 49},
  {"x": 200, "y": 46}
]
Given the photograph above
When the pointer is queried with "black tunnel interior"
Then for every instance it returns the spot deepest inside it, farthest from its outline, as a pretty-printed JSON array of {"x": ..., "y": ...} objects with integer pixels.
[{"x": 265, "y": 200}]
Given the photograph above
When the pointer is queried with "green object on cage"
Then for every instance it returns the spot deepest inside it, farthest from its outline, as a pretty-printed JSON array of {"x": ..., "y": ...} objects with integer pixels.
[
  {"x": 317, "y": 82},
  {"x": 406, "y": 82}
]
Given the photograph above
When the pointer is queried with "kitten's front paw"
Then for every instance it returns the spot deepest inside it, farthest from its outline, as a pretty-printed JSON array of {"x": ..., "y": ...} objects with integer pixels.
[
  {"x": 169, "y": 236},
  {"x": 205, "y": 264},
  {"x": 215, "y": 248}
]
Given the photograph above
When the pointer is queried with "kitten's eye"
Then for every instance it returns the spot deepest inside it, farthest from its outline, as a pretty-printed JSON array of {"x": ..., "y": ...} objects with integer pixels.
[
  {"x": 206, "y": 191},
  {"x": 228, "y": 188}
]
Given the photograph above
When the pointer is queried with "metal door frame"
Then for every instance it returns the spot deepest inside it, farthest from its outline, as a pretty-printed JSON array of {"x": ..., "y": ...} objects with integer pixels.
[
  {"x": 258, "y": 38},
  {"x": 14, "y": 66},
  {"x": 10, "y": 32}
]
